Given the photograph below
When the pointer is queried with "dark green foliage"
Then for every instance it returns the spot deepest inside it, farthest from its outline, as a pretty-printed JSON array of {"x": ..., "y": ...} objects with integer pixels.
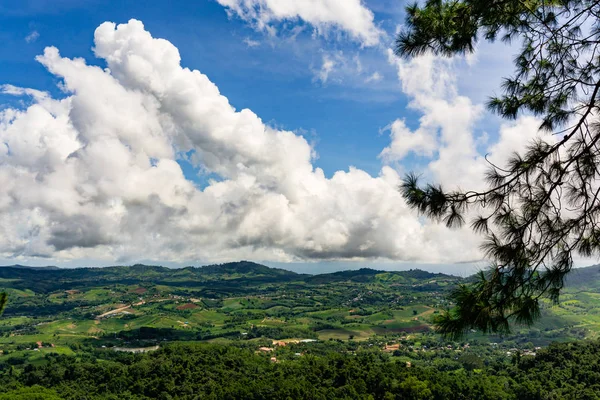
[
  {"x": 3, "y": 300},
  {"x": 194, "y": 371},
  {"x": 543, "y": 206},
  {"x": 368, "y": 275},
  {"x": 45, "y": 280}
]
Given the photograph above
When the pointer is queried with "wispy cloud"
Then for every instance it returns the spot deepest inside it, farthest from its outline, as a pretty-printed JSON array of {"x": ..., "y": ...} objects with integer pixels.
[
  {"x": 32, "y": 37},
  {"x": 326, "y": 69},
  {"x": 349, "y": 16},
  {"x": 251, "y": 43},
  {"x": 375, "y": 77}
]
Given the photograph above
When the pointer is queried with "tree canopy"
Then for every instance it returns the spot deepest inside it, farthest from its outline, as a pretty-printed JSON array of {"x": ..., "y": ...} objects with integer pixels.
[
  {"x": 3, "y": 300},
  {"x": 216, "y": 371},
  {"x": 542, "y": 207}
]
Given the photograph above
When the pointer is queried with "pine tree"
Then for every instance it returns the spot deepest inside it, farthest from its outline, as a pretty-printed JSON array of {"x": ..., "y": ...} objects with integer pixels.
[{"x": 542, "y": 207}]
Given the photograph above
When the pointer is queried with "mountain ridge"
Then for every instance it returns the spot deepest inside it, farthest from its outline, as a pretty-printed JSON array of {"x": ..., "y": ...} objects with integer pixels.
[{"x": 242, "y": 266}]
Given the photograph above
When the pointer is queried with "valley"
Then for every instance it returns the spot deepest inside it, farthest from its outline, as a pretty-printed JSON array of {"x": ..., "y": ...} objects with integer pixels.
[
  {"x": 148, "y": 305},
  {"x": 243, "y": 330}
]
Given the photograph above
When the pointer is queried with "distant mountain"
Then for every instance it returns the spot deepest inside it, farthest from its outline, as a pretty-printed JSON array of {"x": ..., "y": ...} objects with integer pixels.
[
  {"x": 588, "y": 277},
  {"x": 217, "y": 277},
  {"x": 141, "y": 271},
  {"x": 370, "y": 275},
  {"x": 226, "y": 271},
  {"x": 18, "y": 266},
  {"x": 135, "y": 269},
  {"x": 581, "y": 278},
  {"x": 245, "y": 268},
  {"x": 360, "y": 275}
]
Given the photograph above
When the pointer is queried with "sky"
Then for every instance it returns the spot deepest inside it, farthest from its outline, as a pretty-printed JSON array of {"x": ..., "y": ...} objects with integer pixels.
[{"x": 207, "y": 131}]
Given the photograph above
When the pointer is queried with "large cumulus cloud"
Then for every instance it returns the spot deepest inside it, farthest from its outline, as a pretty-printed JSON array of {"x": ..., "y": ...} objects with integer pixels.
[
  {"x": 446, "y": 136},
  {"x": 95, "y": 174}
]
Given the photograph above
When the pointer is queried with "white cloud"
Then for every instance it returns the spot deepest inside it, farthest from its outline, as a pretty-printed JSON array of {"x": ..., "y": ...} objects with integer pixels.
[
  {"x": 358, "y": 64},
  {"x": 345, "y": 70},
  {"x": 32, "y": 37},
  {"x": 17, "y": 91},
  {"x": 95, "y": 176},
  {"x": 374, "y": 77},
  {"x": 349, "y": 16},
  {"x": 447, "y": 122},
  {"x": 446, "y": 137},
  {"x": 422, "y": 142},
  {"x": 326, "y": 68},
  {"x": 251, "y": 43}
]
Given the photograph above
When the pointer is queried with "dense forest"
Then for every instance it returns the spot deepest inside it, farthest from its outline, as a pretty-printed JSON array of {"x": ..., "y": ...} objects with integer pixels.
[{"x": 209, "y": 371}]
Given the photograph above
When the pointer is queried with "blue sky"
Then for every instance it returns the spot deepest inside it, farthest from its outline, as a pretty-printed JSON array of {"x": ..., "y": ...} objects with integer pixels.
[{"x": 307, "y": 177}]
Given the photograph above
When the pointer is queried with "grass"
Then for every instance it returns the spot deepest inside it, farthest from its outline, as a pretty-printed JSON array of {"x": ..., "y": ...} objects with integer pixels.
[
  {"x": 208, "y": 316},
  {"x": 15, "y": 321},
  {"x": 18, "y": 292},
  {"x": 232, "y": 304}
]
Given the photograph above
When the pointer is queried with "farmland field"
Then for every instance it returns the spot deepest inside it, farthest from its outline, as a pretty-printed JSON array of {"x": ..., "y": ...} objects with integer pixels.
[{"x": 243, "y": 301}]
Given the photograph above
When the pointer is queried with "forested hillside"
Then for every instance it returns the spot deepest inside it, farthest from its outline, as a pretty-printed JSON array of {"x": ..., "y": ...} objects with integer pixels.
[
  {"x": 243, "y": 330},
  {"x": 563, "y": 371}
]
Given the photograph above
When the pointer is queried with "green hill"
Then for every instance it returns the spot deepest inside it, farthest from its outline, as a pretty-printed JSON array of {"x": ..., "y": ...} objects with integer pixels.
[
  {"x": 245, "y": 268},
  {"x": 370, "y": 275},
  {"x": 588, "y": 277},
  {"x": 221, "y": 301}
]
